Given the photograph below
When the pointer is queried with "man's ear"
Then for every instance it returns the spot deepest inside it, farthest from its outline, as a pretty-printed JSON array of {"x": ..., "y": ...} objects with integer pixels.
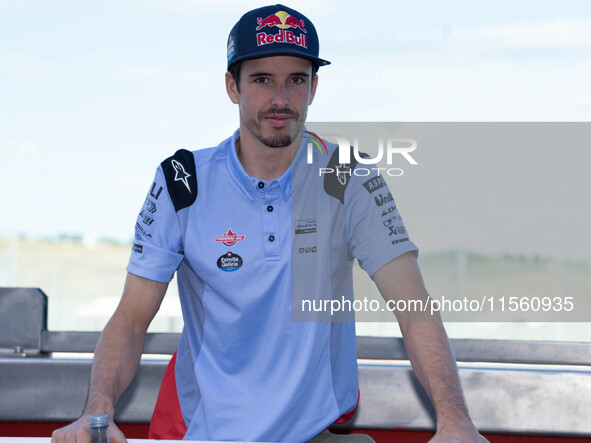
[{"x": 232, "y": 88}]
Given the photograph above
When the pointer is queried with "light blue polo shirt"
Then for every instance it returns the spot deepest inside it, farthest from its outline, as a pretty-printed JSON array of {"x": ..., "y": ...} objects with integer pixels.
[{"x": 245, "y": 370}]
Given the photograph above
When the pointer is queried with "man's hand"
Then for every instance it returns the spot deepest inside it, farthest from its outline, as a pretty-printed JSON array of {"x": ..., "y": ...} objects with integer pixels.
[
  {"x": 79, "y": 432},
  {"x": 466, "y": 434}
]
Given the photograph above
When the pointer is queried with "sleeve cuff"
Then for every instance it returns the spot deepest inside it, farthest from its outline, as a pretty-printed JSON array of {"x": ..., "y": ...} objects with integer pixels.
[{"x": 153, "y": 263}]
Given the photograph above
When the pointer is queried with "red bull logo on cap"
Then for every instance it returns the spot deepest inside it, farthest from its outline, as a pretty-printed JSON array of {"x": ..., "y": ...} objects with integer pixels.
[{"x": 285, "y": 23}]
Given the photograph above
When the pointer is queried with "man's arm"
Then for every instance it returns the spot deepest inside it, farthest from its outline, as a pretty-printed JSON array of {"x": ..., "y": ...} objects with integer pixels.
[
  {"x": 428, "y": 349},
  {"x": 117, "y": 357}
]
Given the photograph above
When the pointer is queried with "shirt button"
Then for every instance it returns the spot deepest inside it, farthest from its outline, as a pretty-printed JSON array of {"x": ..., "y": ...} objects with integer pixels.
[
  {"x": 261, "y": 185},
  {"x": 270, "y": 208},
  {"x": 271, "y": 238}
]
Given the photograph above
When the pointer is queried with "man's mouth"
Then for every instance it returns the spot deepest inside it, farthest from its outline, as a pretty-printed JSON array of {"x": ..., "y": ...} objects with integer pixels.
[
  {"x": 279, "y": 120},
  {"x": 279, "y": 117}
]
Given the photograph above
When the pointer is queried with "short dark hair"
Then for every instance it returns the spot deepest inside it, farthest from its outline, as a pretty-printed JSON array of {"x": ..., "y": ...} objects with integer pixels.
[
  {"x": 235, "y": 72},
  {"x": 235, "y": 69}
]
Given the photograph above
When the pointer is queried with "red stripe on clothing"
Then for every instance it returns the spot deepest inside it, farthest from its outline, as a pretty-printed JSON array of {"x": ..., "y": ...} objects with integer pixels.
[
  {"x": 167, "y": 420},
  {"x": 346, "y": 417}
]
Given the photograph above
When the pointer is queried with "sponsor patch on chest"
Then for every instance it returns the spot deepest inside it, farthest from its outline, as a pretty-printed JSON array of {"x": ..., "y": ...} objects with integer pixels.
[
  {"x": 229, "y": 262},
  {"x": 305, "y": 226},
  {"x": 229, "y": 238}
]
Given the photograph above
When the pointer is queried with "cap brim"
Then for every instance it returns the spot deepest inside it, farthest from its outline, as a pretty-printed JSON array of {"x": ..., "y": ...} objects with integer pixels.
[{"x": 316, "y": 60}]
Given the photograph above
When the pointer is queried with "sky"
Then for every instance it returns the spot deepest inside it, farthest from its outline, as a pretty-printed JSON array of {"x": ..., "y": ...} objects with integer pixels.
[{"x": 95, "y": 94}]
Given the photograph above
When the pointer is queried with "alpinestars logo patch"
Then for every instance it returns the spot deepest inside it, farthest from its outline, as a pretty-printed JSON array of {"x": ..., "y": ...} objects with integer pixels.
[{"x": 181, "y": 174}]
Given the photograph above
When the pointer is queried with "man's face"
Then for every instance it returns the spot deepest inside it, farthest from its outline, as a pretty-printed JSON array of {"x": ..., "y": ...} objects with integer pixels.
[{"x": 273, "y": 96}]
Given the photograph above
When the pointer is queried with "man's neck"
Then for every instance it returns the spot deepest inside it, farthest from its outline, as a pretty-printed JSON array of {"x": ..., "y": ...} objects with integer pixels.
[{"x": 261, "y": 161}]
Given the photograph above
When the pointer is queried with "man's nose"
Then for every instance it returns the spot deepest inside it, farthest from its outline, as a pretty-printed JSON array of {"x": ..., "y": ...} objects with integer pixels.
[{"x": 280, "y": 95}]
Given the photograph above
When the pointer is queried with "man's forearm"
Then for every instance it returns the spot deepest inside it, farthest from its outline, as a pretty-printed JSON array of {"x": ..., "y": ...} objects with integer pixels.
[
  {"x": 427, "y": 346},
  {"x": 115, "y": 364},
  {"x": 433, "y": 362},
  {"x": 117, "y": 357}
]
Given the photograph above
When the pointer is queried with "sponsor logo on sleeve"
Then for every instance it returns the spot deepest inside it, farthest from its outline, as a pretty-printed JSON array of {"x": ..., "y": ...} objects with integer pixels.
[
  {"x": 388, "y": 210},
  {"x": 141, "y": 232},
  {"x": 373, "y": 184},
  {"x": 396, "y": 230},
  {"x": 147, "y": 211},
  {"x": 383, "y": 199},
  {"x": 390, "y": 220},
  {"x": 155, "y": 193},
  {"x": 138, "y": 248}
]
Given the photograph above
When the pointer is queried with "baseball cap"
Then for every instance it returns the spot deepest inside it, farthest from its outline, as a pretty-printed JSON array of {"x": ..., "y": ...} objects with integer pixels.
[{"x": 273, "y": 30}]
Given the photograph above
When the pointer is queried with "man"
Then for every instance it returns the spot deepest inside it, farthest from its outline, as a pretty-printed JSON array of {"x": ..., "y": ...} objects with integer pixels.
[{"x": 229, "y": 221}]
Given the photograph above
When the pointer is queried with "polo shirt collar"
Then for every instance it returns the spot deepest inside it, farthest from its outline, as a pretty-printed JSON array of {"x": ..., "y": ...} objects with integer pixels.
[{"x": 248, "y": 184}]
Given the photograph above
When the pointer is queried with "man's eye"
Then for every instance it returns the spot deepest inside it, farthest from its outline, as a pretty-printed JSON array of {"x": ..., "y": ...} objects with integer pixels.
[
  {"x": 297, "y": 80},
  {"x": 261, "y": 80}
]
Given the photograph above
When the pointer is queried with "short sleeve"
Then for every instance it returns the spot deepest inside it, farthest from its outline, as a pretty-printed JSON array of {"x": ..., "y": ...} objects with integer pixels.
[
  {"x": 375, "y": 230},
  {"x": 157, "y": 248}
]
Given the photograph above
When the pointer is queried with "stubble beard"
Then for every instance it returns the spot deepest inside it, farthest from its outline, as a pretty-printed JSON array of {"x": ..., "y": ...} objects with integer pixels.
[{"x": 280, "y": 139}]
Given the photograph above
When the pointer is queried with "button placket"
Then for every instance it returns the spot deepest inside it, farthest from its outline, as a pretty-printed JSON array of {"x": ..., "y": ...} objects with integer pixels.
[{"x": 271, "y": 193}]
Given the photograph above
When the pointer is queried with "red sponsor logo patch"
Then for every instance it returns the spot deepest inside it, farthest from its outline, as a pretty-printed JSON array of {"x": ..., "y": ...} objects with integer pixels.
[
  {"x": 286, "y": 23},
  {"x": 282, "y": 37},
  {"x": 229, "y": 238}
]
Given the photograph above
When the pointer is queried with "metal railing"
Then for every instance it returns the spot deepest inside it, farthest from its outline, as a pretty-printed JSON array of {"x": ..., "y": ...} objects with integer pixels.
[
  {"x": 37, "y": 387},
  {"x": 23, "y": 332}
]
